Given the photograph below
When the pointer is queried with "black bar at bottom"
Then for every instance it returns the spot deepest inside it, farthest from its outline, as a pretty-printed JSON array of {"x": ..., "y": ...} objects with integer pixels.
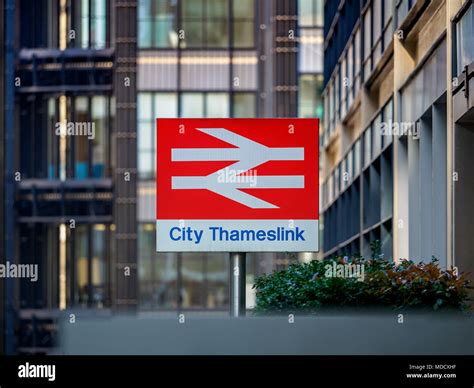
[{"x": 317, "y": 371}]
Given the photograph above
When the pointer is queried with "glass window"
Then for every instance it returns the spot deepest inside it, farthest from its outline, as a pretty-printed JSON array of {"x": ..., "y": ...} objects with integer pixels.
[
  {"x": 337, "y": 94},
  {"x": 388, "y": 120},
  {"x": 244, "y": 23},
  {"x": 145, "y": 24},
  {"x": 244, "y": 105},
  {"x": 98, "y": 265},
  {"x": 367, "y": 147},
  {"x": 357, "y": 54},
  {"x": 53, "y": 139},
  {"x": 205, "y": 23},
  {"x": 99, "y": 142},
  {"x": 81, "y": 162},
  {"x": 82, "y": 267},
  {"x": 90, "y": 258},
  {"x": 377, "y": 136},
  {"x": 377, "y": 22},
  {"x": 465, "y": 40},
  {"x": 310, "y": 91},
  {"x": 331, "y": 104},
  {"x": 192, "y": 105},
  {"x": 90, "y": 24},
  {"x": 350, "y": 65},
  {"x": 310, "y": 13},
  {"x": 367, "y": 34},
  {"x": 157, "y": 23},
  {"x": 150, "y": 107},
  {"x": 387, "y": 10},
  {"x": 367, "y": 43},
  {"x": 217, "y": 105},
  {"x": 326, "y": 113},
  {"x": 165, "y": 105},
  {"x": 98, "y": 21},
  {"x": 145, "y": 136},
  {"x": 350, "y": 169},
  {"x": 357, "y": 157},
  {"x": 157, "y": 272}
]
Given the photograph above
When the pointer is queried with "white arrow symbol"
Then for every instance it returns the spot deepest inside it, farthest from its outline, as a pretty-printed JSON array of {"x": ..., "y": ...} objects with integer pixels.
[{"x": 248, "y": 155}]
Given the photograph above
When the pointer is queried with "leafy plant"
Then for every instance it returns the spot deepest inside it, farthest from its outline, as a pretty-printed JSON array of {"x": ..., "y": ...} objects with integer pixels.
[{"x": 306, "y": 286}]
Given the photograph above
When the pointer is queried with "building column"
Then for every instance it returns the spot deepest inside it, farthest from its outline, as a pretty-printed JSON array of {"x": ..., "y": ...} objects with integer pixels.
[{"x": 125, "y": 284}]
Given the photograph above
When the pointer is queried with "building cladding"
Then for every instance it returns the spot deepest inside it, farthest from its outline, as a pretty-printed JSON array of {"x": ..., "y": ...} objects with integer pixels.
[
  {"x": 81, "y": 207},
  {"x": 398, "y": 129}
]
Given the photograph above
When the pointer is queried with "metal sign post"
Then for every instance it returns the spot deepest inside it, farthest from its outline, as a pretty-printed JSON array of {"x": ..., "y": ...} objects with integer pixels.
[{"x": 237, "y": 284}]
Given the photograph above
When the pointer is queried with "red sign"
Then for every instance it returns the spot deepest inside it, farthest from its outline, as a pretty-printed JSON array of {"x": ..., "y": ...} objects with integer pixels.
[{"x": 238, "y": 171}]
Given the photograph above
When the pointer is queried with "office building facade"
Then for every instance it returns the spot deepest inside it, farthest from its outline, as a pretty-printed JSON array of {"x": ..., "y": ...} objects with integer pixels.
[
  {"x": 83, "y": 82},
  {"x": 398, "y": 129},
  {"x": 70, "y": 162}
]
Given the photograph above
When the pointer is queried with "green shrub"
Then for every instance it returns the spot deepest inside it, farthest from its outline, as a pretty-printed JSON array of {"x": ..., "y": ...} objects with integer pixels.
[{"x": 307, "y": 286}]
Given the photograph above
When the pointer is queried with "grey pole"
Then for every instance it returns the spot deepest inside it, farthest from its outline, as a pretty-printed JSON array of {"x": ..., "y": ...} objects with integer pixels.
[{"x": 237, "y": 284}]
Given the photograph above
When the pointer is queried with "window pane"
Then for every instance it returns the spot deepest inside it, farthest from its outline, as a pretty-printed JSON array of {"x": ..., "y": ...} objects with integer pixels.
[
  {"x": 367, "y": 35},
  {"x": 166, "y": 105},
  {"x": 145, "y": 164},
  {"x": 81, "y": 142},
  {"x": 465, "y": 44},
  {"x": 144, "y": 33},
  {"x": 193, "y": 287},
  {"x": 165, "y": 35},
  {"x": 99, "y": 142},
  {"x": 357, "y": 53},
  {"x": 53, "y": 140},
  {"x": 193, "y": 8},
  {"x": 387, "y": 10},
  {"x": 376, "y": 136},
  {"x": 307, "y": 96},
  {"x": 244, "y": 9},
  {"x": 217, "y": 105},
  {"x": 217, "y": 9},
  {"x": 217, "y": 279},
  {"x": 357, "y": 157},
  {"x": 244, "y": 34},
  {"x": 305, "y": 11},
  {"x": 144, "y": 106},
  {"x": 83, "y": 16},
  {"x": 98, "y": 265},
  {"x": 193, "y": 33},
  {"x": 82, "y": 266},
  {"x": 377, "y": 24},
  {"x": 367, "y": 147},
  {"x": 319, "y": 12},
  {"x": 192, "y": 105},
  {"x": 165, "y": 290},
  {"x": 244, "y": 105},
  {"x": 217, "y": 34},
  {"x": 145, "y": 137},
  {"x": 98, "y": 20}
]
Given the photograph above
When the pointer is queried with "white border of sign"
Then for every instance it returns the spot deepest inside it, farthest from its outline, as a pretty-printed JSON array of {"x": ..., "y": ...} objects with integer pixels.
[{"x": 237, "y": 235}]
